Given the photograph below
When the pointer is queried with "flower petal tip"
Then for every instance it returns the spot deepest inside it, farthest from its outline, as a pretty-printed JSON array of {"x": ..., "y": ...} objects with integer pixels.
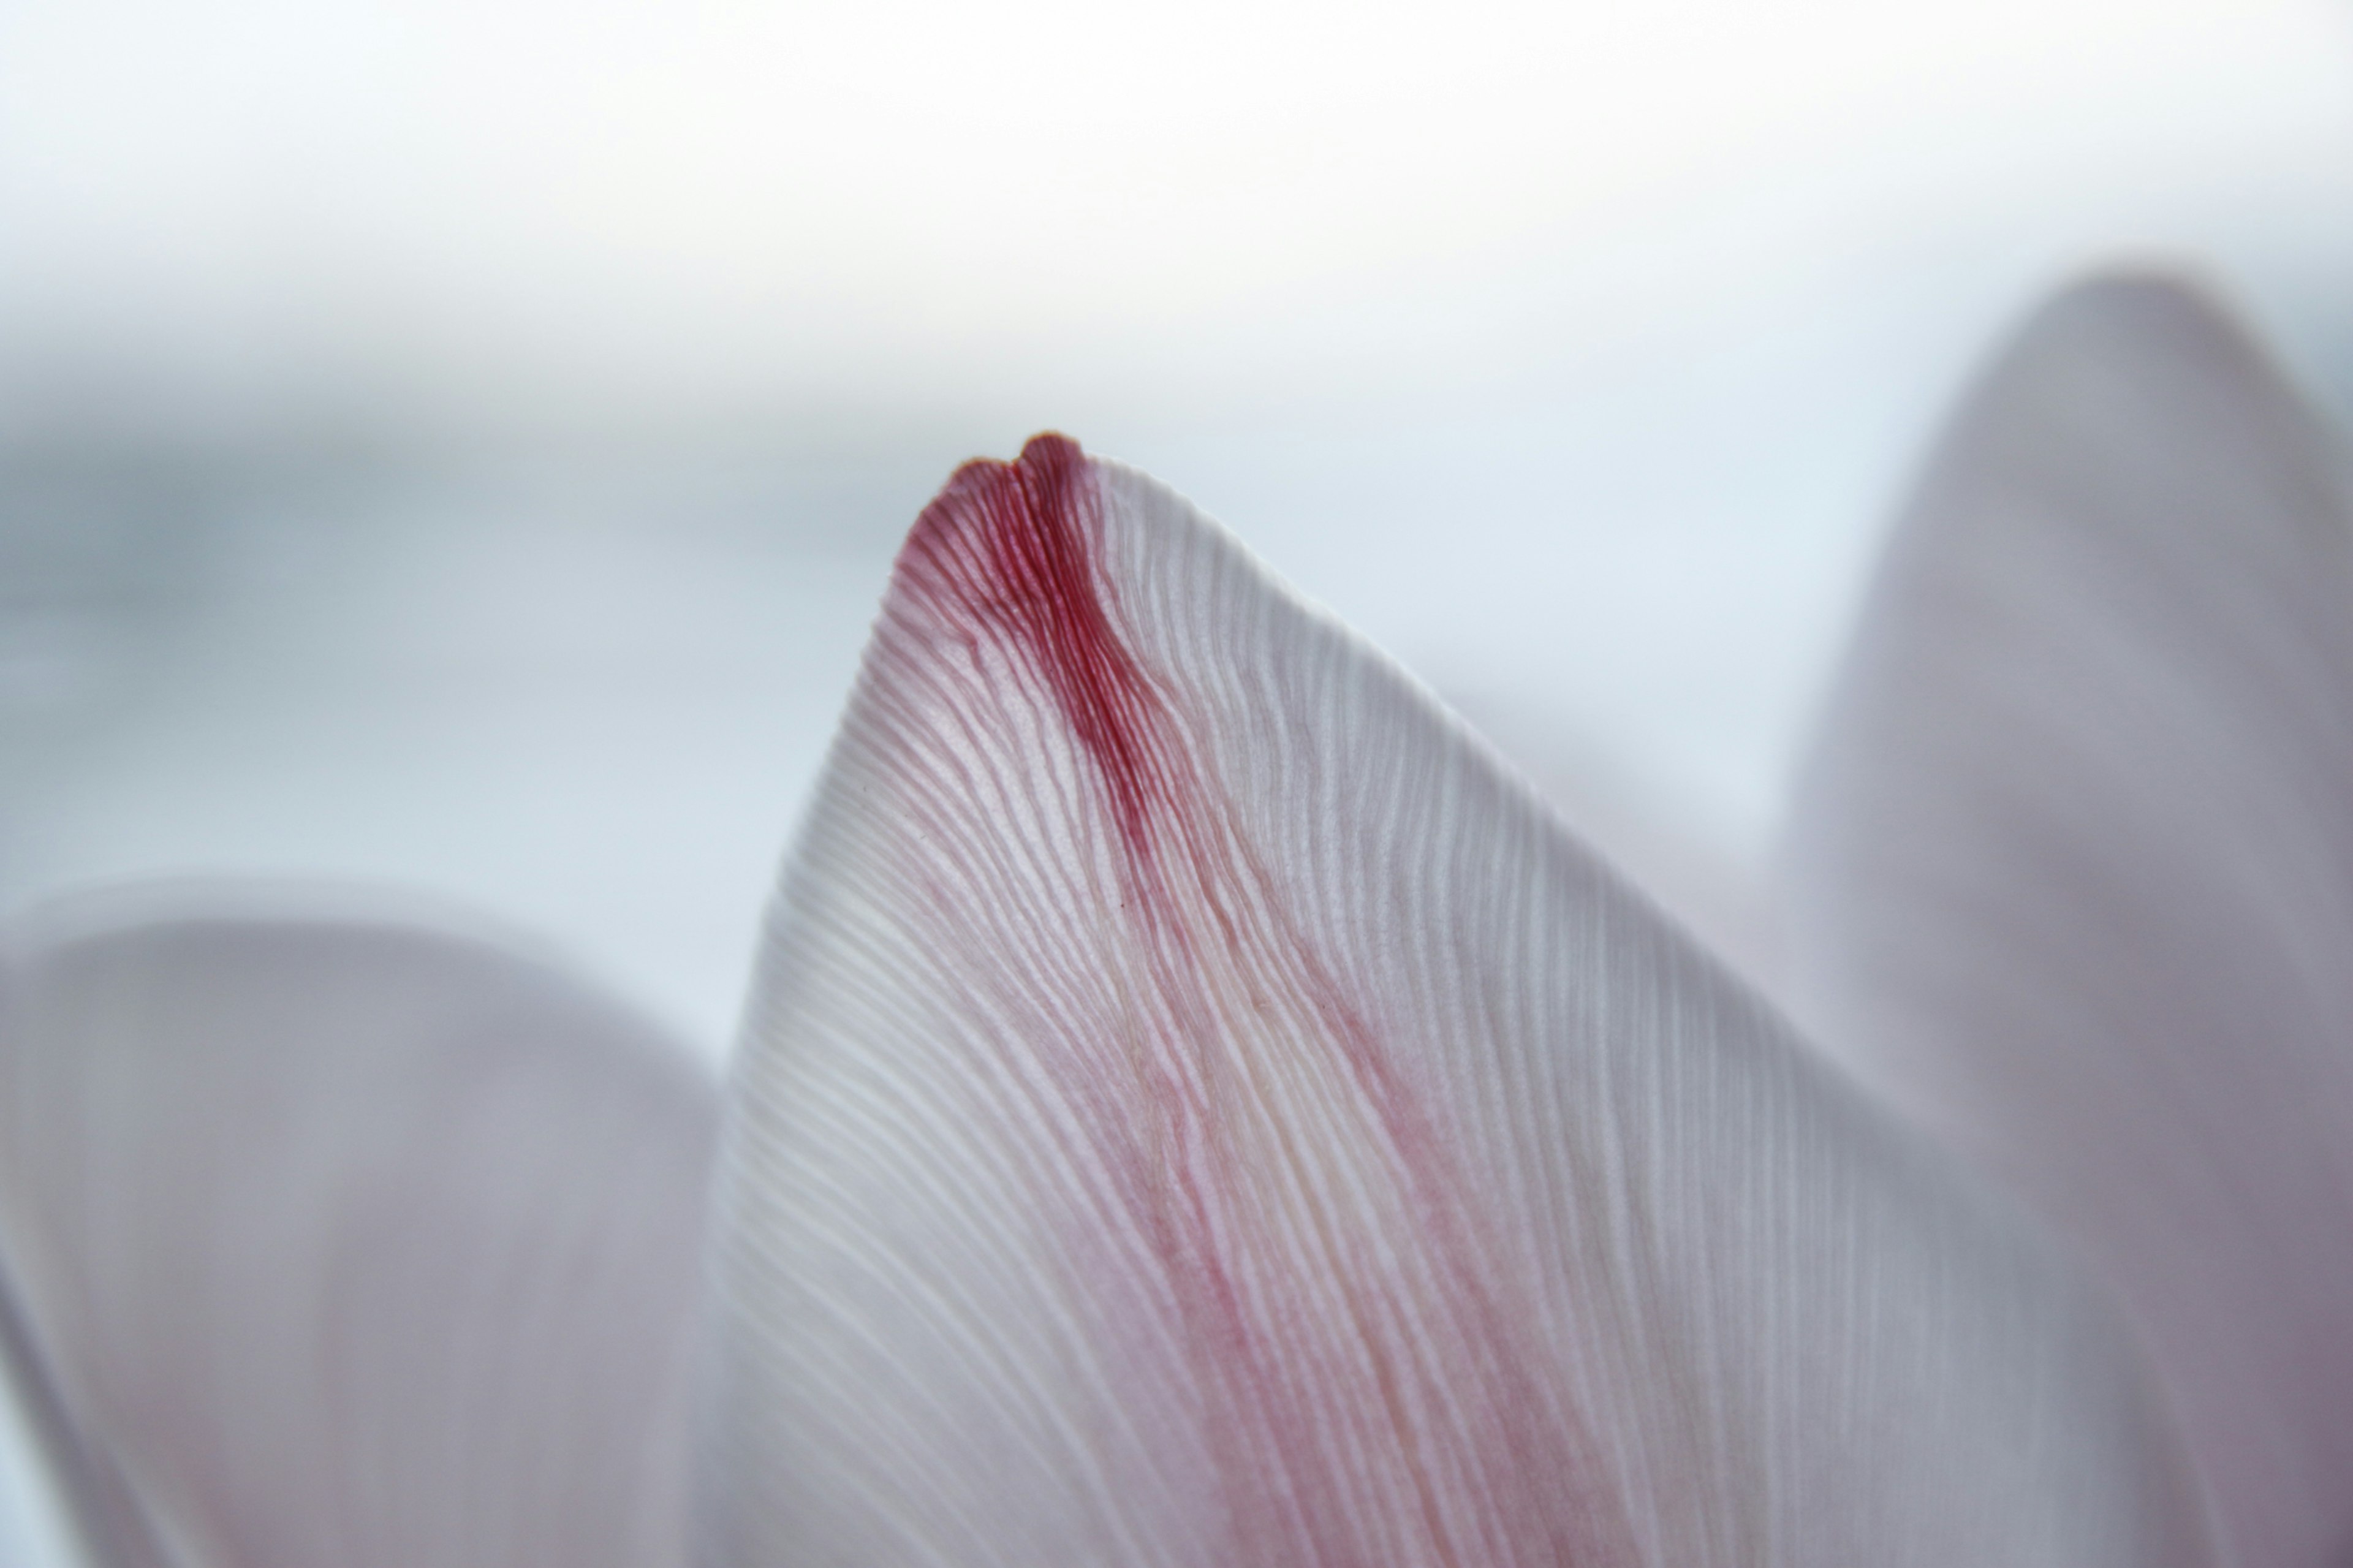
[{"x": 1197, "y": 1110}]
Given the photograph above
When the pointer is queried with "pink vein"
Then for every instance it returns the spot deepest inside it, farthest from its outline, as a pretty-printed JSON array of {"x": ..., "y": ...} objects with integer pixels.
[{"x": 1372, "y": 1392}]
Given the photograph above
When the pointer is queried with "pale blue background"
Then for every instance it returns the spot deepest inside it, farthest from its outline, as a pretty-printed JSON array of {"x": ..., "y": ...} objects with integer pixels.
[{"x": 463, "y": 445}]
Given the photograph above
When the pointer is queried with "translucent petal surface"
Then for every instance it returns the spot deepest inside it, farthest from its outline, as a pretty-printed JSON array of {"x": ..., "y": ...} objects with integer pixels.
[
  {"x": 1197, "y": 1112},
  {"x": 342, "y": 1240},
  {"x": 2074, "y": 868}
]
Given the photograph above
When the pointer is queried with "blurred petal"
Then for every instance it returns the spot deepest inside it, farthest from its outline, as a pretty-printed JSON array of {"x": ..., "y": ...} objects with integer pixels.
[
  {"x": 42, "y": 1478},
  {"x": 2075, "y": 863},
  {"x": 345, "y": 1240},
  {"x": 1198, "y": 1111}
]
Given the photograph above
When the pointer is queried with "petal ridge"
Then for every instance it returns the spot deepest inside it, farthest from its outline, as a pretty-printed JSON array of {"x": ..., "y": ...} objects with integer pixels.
[{"x": 1308, "y": 1154}]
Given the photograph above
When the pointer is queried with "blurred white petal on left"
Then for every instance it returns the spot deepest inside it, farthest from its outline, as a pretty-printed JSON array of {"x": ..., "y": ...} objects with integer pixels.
[{"x": 337, "y": 1236}]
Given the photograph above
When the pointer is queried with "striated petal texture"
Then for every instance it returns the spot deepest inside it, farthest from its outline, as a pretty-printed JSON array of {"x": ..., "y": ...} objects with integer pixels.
[
  {"x": 1197, "y": 1112},
  {"x": 2073, "y": 866},
  {"x": 337, "y": 1240}
]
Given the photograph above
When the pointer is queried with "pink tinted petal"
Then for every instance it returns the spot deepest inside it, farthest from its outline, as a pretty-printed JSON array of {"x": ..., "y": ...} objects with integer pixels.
[
  {"x": 1198, "y": 1111},
  {"x": 340, "y": 1239},
  {"x": 2075, "y": 862}
]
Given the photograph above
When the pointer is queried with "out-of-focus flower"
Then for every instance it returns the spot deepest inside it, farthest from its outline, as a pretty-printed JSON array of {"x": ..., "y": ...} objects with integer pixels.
[
  {"x": 342, "y": 1234},
  {"x": 2072, "y": 869},
  {"x": 1196, "y": 1108}
]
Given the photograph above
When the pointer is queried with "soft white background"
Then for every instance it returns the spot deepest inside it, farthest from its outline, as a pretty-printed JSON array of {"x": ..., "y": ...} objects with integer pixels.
[{"x": 461, "y": 444}]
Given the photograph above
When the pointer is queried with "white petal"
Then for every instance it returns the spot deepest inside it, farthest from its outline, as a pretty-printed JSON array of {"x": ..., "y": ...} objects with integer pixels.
[
  {"x": 2074, "y": 866},
  {"x": 1197, "y": 1112},
  {"x": 343, "y": 1240}
]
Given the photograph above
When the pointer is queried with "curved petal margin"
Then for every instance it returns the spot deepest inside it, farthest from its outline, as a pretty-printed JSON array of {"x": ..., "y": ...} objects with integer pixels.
[
  {"x": 2072, "y": 872},
  {"x": 336, "y": 1237},
  {"x": 1198, "y": 1111}
]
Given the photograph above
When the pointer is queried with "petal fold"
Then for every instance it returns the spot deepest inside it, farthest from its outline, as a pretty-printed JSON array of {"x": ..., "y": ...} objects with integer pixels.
[
  {"x": 1198, "y": 1109},
  {"x": 336, "y": 1236},
  {"x": 2072, "y": 870}
]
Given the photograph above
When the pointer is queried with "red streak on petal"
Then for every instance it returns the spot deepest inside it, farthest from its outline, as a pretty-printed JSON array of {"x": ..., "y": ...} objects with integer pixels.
[
  {"x": 1350, "y": 1324},
  {"x": 1034, "y": 519}
]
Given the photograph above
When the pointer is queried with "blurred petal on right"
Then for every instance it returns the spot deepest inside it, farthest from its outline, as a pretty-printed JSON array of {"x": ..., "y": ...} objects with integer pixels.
[{"x": 2072, "y": 867}]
